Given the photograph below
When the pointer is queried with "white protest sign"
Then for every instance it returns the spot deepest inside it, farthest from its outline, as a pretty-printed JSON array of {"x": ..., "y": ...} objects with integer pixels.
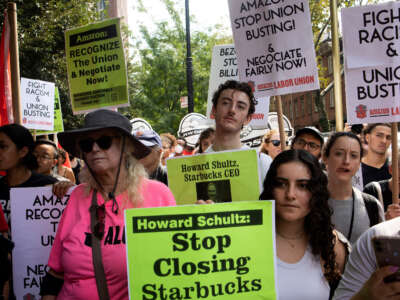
[
  {"x": 35, "y": 214},
  {"x": 372, "y": 94},
  {"x": 371, "y": 35},
  {"x": 223, "y": 68},
  {"x": 37, "y": 104},
  {"x": 372, "y": 70},
  {"x": 274, "y": 45}
]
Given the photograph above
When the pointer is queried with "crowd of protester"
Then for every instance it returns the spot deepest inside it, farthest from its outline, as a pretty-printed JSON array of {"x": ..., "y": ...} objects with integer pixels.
[{"x": 320, "y": 215}]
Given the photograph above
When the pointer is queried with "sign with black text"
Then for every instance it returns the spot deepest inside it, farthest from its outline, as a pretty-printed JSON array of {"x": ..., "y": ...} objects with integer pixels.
[
  {"x": 372, "y": 64},
  {"x": 35, "y": 214},
  {"x": 274, "y": 45}
]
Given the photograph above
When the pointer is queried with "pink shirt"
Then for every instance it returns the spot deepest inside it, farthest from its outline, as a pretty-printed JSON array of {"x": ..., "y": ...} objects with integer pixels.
[{"x": 71, "y": 253}]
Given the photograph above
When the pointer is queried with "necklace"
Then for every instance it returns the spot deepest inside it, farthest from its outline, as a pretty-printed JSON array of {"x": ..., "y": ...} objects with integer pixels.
[{"x": 288, "y": 239}]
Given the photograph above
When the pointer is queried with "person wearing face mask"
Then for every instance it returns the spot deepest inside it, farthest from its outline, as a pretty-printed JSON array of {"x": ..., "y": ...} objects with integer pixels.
[
  {"x": 168, "y": 146},
  {"x": 179, "y": 148}
]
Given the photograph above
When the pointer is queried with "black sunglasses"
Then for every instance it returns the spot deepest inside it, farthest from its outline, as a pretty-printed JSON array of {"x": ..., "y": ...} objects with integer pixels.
[
  {"x": 276, "y": 143},
  {"x": 104, "y": 142}
]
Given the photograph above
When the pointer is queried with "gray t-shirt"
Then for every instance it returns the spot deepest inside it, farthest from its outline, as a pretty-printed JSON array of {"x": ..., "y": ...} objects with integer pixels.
[{"x": 342, "y": 211}]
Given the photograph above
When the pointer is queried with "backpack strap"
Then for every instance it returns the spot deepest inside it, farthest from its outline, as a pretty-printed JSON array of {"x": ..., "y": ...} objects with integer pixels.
[
  {"x": 378, "y": 189},
  {"x": 372, "y": 209}
]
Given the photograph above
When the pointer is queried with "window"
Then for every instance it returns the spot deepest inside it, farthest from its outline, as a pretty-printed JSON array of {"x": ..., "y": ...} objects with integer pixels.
[
  {"x": 302, "y": 109},
  {"x": 330, "y": 64},
  {"x": 315, "y": 106},
  {"x": 291, "y": 109},
  {"x": 331, "y": 98},
  {"x": 295, "y": 111},
  {"x": 309, "y": 103}
]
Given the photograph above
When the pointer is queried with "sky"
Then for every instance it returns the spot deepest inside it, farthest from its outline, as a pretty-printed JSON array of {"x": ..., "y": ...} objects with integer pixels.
[{"x": 206, "y": 12}]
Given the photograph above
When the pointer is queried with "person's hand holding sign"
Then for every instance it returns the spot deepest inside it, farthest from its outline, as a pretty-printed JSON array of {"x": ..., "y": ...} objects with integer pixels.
[{"x": 393, "y": 211}]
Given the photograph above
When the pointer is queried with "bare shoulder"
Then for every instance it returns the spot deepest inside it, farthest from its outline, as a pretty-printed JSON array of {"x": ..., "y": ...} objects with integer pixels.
[{"x": 342, "y": 249}]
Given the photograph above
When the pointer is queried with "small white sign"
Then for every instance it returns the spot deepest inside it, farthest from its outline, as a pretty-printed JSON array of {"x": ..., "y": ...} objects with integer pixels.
[
  {"x": 223, "y": 68},
  {"x": 37, "y": 104},
  {"x": 274, "y": 45},
  {"x": 35, "y": 214}
]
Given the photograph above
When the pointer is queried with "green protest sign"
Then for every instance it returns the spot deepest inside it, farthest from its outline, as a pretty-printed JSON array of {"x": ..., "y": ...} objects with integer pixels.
[
  {"x": 220, "y": 251},
  {"x": 221, "y": 176},
  {"x": 96, "y": 66},
  {"x": 58, "y": 120}
]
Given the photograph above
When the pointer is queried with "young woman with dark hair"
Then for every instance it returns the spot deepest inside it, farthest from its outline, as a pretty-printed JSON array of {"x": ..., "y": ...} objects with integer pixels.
[
  {"x": 353, "y": 211},
  {"x": 310, "y": 255}
]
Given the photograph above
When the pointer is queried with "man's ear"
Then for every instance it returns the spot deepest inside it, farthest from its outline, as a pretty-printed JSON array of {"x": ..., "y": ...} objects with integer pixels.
[
  {"x": 247, "y": 120},
  {"x": 367, "y": 138}
]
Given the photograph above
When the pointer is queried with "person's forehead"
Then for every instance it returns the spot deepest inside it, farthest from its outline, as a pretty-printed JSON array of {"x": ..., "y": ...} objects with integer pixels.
[
  {"x": 381, "y": 129},
  {"x": 44, "y": 148},
  {"x": 309, "y": 138},
  {"x": 235, "y": 94}
]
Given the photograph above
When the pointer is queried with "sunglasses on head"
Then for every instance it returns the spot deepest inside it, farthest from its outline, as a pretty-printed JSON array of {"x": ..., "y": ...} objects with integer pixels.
[{"x": 104, "y": 142}]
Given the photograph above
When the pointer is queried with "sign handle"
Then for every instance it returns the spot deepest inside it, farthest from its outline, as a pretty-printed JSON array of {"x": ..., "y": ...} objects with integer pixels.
[
  {"x": 336, "y": 66},
  {"x": 395, "y": 164},
  {"x": 280, "y": 122},
  {"x": 14, "y": 62},
  {"x": 34, "y": 135}
]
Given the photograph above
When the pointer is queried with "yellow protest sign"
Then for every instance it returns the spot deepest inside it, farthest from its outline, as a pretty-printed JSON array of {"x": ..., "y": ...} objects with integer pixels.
[{"x": 96, "y": 66}]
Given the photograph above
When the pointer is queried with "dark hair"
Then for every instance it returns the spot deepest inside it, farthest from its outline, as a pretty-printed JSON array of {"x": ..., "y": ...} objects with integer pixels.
[
  {"x": 239, "y": 86},
  {"x": 21, "y": 137},
  {"x": 357, "y": 128},
  {"x": 317, "y": 224},
  {"x": 334, "y": 136},
  {"x": 63, "y": 154},
  {"x": 205, "y": 134},
  {"x": 371, "y": 127},
  {"x": 47, "y": 142}
]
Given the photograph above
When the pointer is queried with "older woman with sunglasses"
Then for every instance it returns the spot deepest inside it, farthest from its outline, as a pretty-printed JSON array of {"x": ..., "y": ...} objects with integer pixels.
[
  {"x": 271, "y": 144},
  {"x": 93, "y": 219}
]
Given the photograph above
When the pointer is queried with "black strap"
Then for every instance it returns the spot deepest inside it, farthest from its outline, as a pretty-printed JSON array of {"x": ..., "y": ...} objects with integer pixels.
[
  {"x": 352, "y": 219},
  {"x": 100, "y": 276}
]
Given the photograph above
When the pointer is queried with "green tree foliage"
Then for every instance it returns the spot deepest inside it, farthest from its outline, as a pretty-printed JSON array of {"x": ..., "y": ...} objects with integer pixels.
[
  {"x": 158, "y": 76},
  {"x": 41, "y": 26}
]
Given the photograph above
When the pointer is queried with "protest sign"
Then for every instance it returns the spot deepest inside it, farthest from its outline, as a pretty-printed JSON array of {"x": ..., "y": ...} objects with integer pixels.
[
  {"x": 221, "y": 176},
  {"x": 371, "y": 35},
  {"x": 274, "y": 45},
  {"x": 58, "y": 120},
  {"x": 223, "y": 68},
  {"x": 220, "y": 251},
  {"x": 35, "y": 214},
  {"x": 372, "y": 69},
  {"x": 37, "y": 104},
  {"x": 96, "y": 66}
]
